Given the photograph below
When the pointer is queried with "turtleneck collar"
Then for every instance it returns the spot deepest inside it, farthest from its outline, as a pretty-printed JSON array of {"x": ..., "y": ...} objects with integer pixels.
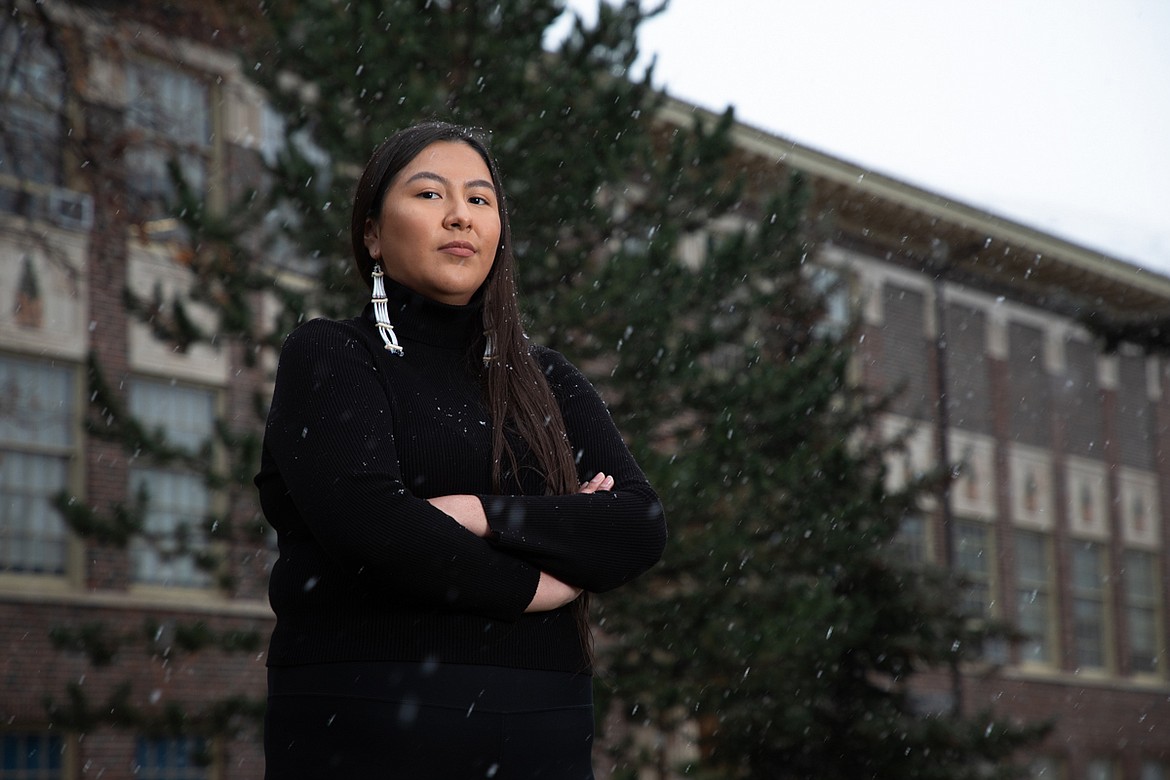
[{"x": 418, "y": 318}]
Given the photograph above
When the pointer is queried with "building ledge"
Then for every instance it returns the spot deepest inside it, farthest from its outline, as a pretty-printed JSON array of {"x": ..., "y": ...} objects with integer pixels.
[{"x": 196, "y": 602}]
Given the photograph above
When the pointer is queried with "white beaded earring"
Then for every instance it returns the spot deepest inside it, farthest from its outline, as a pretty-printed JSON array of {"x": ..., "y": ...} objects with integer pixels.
[
  {"x": 382, "y": 313},
  {"x": 489, "y": 354}
]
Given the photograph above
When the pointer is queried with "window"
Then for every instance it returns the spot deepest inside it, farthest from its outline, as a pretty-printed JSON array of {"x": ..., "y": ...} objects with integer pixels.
[
  {"x": 1136, "y": 424},
  {"x": 176, "y": 523},
  {"x": 1079, "y": 399},
  {"x": 171, "y": 109},
  {"x": 186, "y": 415},
  {"x": 1154, "y": 770},
  {"x": 1088, "y": 585},
  {"x": 973, "y": 557},
  {"x": 32, "y": 93},
  {"x": 1100, "y": 769},
  {"x": 36, "y": 440},
  {"x": 178, "y": 508},
  {"x": 968, "y": 381},
  {"x": 26, "y": 756},
  {"x": 834, "y": 291},
  {"x": 1045, "y": 768},
  {"x": 905, "y": 352},
  {"x": 181, "y": 758},
  {"x": 908, "y": 546},
  {"x": 272, "y": 133},
  {"x": 1030, "y": 386},
  {"x": 1141, "y": 610},
  {"x": 1034, "y": 596}
]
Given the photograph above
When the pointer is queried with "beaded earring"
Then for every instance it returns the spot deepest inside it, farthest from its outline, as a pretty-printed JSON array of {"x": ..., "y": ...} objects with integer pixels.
[
  {"x": 382, "y": 313},
  {"x": 489, "y": 354}
]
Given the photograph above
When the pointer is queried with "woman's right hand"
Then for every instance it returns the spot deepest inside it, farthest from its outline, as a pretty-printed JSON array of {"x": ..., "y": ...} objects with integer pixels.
[{"x": 551, "y": 594}]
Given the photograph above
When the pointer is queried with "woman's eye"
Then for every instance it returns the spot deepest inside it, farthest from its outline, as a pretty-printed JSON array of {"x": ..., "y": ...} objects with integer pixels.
[
  {"x": 428, "y": 195},
  {"x": 479, "y": 200}
]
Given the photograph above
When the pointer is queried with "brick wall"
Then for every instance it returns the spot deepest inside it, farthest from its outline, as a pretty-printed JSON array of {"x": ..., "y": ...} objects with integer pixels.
[
  {"x": 33, "y": 669},
  {"x": 1071, "y": 403}
]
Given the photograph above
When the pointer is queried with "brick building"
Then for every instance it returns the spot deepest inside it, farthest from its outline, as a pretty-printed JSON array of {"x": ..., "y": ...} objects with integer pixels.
[
  {"x": 81, "y": 221},
  {"x": 1056, "y": 517}
]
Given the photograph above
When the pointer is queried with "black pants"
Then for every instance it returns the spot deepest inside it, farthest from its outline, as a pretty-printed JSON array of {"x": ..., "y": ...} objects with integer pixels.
[{"x": 427, "y": 721}]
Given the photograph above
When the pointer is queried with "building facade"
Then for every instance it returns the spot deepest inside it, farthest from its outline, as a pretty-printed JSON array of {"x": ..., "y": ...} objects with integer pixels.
[
  {"x": 1054, "y": 514},
  {"x": 135, "y": 649},
  {"x": 1055, "y": 517}
]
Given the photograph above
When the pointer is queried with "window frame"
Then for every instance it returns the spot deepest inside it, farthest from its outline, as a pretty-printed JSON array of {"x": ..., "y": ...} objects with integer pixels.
[
  {"x": 1045, "y": 584},
  {"x": 197, "y": 152},
  {"x": 1047, "y": 767},
  {"x": 1101, "y": 768},
  {"x": 912, "y": 549},
  {"x": 70, "y": 454},
  {"x": 188, "y": 747},
  {"x": 1099, "y": 595},
  {"x": 1153, "y": 769},
  {"x": 1149, "y": 603},
  {"x": 994, "y": 649},
  {"x": 988, "y": 576},
  {"x": 203, "y": 582},
  {"x": 50, "y": 742},
  {"x": 39, "y": 109}
]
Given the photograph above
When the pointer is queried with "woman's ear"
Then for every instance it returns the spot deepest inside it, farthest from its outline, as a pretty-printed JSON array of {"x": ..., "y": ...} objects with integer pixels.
[{"x": 373, "y": 245}]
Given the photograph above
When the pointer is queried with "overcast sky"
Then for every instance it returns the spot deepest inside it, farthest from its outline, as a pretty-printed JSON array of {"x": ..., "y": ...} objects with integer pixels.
[{"x": 1052, "y": 113}]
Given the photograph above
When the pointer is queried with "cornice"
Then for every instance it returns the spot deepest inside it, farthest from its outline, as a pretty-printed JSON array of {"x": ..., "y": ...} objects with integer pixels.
[{"x": 872, "y": 207}]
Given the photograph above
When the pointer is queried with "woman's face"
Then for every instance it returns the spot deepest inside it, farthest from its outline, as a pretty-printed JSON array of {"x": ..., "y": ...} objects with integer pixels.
[{"x": 439, "y": 227}]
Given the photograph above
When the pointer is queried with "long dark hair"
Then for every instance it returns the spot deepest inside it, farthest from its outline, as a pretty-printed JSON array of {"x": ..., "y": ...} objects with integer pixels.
[{"x": 516, "y": 389}]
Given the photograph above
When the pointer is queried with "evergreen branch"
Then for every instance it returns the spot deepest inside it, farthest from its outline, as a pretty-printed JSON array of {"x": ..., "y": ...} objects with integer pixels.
[
  {"x": 93, "y": 639},
  {"x": 114, "y": 528},
  {"x": 224, "y": 717},
  {"x": 110, "y": 420},
  {"x": 78, "y": 716},
  {"x": 196, "y": 636},
  {"x": 168, "y": 321},
  {"x": 245, "y": 447}
]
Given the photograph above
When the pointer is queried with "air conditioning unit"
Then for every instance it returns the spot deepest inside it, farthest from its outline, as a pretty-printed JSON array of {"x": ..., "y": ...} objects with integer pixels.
[{"x": 69, "y": 209}]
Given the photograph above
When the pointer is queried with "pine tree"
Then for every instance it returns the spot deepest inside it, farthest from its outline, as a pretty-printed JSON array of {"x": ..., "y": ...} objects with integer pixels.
[{"x": 781, "y": 621}]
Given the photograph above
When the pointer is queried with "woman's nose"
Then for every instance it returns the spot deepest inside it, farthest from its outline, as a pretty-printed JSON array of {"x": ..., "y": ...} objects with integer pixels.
[{"x": 458, "y": 216}]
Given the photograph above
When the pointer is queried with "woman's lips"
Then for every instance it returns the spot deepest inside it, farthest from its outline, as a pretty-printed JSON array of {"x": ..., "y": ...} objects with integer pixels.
[{"x": 458, "y": 248}]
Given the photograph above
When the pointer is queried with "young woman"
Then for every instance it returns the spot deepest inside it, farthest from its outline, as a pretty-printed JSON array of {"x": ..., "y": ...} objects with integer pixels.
[{"x": 444, "y": 493}]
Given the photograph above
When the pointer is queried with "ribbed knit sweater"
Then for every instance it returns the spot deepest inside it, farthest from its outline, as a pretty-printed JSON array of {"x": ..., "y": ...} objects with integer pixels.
[{"x": 358, "y": 438}]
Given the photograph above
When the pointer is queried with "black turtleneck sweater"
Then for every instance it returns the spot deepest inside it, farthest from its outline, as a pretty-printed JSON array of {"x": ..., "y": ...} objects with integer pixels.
[{"x": 358, "y": 438}]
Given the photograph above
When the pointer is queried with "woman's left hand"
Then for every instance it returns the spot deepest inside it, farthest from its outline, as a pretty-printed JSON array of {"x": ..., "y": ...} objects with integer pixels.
[{"x": 599, "y": 482}]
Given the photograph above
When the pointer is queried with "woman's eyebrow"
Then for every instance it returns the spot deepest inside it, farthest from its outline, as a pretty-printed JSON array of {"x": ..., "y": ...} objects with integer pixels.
[{"x": 446, "y": 183}]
